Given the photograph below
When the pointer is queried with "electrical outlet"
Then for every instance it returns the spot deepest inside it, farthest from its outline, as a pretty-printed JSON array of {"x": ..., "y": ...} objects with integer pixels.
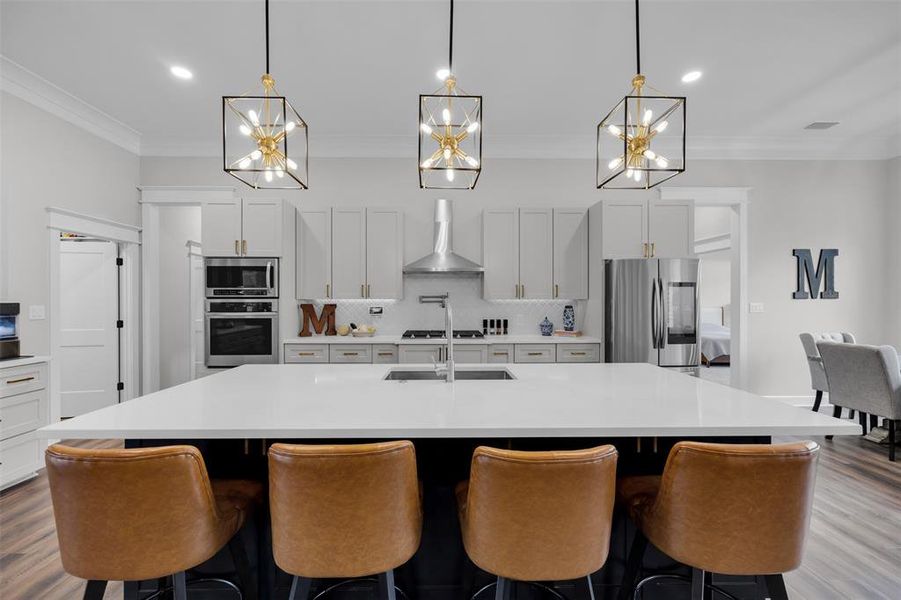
[
  {"x": 37, "y": 312},
  {"x": 755, "y": 307},
  {"x": 375, "y": 311}
]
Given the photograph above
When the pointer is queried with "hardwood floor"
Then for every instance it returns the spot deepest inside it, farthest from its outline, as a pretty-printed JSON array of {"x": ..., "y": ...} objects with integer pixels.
[{"x": 853, "y": 551}]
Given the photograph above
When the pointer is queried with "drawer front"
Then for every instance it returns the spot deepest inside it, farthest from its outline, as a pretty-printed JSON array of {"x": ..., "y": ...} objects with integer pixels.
[
  {"x": 535, "y": 353},
  {"x": 420, "y": 353},
  {"x": 500, "y": 353},
  {"x": 384, "y": 354},
  {"x": 22, "y": 413},
  {"x": 576, "y": 353},
  {"x": 21, "y": 458},
  {"x": 306, "y": 353},
  {"x": 470, "y": 354},
  {"x": 18, "y": 380},
  {"x": 350, "y": 353}
]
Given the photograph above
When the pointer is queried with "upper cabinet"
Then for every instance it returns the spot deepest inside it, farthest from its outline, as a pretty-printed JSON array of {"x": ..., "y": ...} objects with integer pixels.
[
  {"x": 648, "y": 228},
  {"x": 533, "y": 253},
  {"x": 349, "y": 253},
  {"x": 239, "y": 227}
]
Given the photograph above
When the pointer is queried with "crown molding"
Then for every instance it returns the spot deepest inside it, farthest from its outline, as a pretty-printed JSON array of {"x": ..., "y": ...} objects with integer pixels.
[
  {"x": 34, "y": 89},
  {"x": 812, "y": 146}
]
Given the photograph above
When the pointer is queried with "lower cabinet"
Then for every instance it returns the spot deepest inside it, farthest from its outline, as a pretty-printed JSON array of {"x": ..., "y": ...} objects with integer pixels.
[
  {"x": 420, "y": 353},
  {"x": 306, "y": 353},
  {"x": 471, "y": 354},
  {"x": 535, "y": 353},
  {"x": 428, "y": 354},
  {"x": 24, "y": 408},
  {"x": 578, "y": 353},
  {"x": 500, "y": 353},
  {"x": 347, "y": 353},
  {"x": 384, "y": 354}
]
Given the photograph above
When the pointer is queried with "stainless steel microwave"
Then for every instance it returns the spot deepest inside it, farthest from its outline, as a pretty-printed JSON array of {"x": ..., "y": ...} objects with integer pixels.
[{"x": 241, "y": 277}]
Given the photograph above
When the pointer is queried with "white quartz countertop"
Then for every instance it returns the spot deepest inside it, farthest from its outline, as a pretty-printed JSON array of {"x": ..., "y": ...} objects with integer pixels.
[
  {"x": 488, "y": 339},
  {"x": 23, "y": 361},
  {"x": 353, "y": 401}
]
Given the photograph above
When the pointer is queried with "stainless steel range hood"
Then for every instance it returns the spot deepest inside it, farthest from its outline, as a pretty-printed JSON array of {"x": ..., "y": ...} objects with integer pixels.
[{"x": 443, "y": 259}]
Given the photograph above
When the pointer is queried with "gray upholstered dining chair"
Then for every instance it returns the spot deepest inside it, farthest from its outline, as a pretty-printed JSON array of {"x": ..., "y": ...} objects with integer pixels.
[
  {"x": 865, "y": 378},
  {"x": 818, "y": 380}
]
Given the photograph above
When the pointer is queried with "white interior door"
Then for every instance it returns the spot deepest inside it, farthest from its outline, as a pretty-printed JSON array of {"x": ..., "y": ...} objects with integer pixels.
[{"x": 89, "y": 338}]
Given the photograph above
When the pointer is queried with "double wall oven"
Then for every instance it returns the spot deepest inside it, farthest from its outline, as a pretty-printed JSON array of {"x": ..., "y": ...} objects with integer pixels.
[{"x": 241, "y": 324}]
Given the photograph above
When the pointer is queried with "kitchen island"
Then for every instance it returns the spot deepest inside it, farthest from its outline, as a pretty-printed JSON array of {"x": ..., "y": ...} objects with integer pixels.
[{"x": 641, "y": 409}]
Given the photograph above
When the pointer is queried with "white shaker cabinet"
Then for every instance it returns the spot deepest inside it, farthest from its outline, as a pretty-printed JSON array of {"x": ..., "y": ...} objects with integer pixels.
[
  {"x": 500, "y": 248},
  {"x": 625, "y": 228},
  {"x": 671, "y": 228},
  {"x": 236, "y": 227},
  {"x": 420, "y": 353},
  {"x": 634, "y": 228},
  {"x": 348, "y": 253},
  {"x": 384, "y": 253},
  {"x": 220, "y": 227},
  {"x": 261, "y": 226},
  {"x": 465, "y": 354},
  {"x": 314, "y": 253},
  {"x": 536, "y": 253},
  {"x": 571, "y": 253}
]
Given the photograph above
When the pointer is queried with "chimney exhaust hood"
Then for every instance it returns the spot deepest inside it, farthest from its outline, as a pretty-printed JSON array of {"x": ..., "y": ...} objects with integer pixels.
[{"x": 443, "y": 259}]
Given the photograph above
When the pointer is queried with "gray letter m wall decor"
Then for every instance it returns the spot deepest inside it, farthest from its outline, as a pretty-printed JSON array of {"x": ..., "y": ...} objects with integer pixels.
[{"x": 825, "y": 270}]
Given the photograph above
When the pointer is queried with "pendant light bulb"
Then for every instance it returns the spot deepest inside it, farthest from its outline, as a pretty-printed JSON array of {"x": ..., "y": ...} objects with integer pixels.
[
  {"x": 662, "y": 162},
  {"x": 279, "y": 173},
  {"x": 245, "y": 162},
  {"x": 660, "y": 127},
  {"x": 291, "y": 164},
  {"x": 425, "y": 128},
  {"x": 637, "y": 175},
  {"x": 427, "y": 163},
  {"x": 445, "y": 114},
  {"x": 268, "y": 176},
  {"x": 472, "y": 162},
  {"x": 614, "y": 130},
  {"x": 648, "y": 115},
  {"x": 255, "y": 155},
  {"x": 472, "y": 127},
  {"x": 289, "y": 126},
  {"x": 649, "y": 154},
  {"x": 254, "y": 118},
  {"x": 450, "y": 174},
  {"x": 245, "y": 129},
  {"x": 616, "y": 162},
  {"x": 629, "y": 173},
  {"x": 447, "y": 154}
]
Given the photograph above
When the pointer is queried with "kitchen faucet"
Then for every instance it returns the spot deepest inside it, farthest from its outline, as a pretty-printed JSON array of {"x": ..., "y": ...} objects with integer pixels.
[{"x": 444, "y": 301}]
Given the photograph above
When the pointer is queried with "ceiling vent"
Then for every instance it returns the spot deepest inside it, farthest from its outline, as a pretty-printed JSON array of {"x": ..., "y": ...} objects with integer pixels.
[{"x": 822, "y": 125}]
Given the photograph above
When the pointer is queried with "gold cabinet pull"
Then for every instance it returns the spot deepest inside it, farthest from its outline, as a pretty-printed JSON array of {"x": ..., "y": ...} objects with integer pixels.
[
  {"x": 306, "y": 354},
  {"x": 19, "y": 380},
  {"x": 386, "y": 354},
  {"x": 237, "y": 248},
  {"x": 522, "y": 290},
  {"x": 501, "y": 353},
  {"x": 362, "y": 290},
  {"x": 644, "y": 250},
  {"x": 653, "y": 250},
  {"x": 556, "y": 291},
  {"x": 244, "y": 247},
  {"x": 578, "y": 353},
  {"x": 368, "y": 291},
  {"x": 535, "y": 353},
  {"x": 328, "y": 290}
]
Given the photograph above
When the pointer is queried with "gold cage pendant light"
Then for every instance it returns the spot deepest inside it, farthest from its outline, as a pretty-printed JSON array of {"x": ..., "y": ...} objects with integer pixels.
[
  {"x": 450, "y": 132},
  {"x": 255, "y": 137},
  {"x": 641, "y": 141}
]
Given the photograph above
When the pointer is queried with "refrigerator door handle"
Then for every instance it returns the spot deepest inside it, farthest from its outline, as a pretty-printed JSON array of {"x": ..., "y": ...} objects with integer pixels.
[
  {"x": 662, "y": 340},
  {"x": 655, "y": 328}
]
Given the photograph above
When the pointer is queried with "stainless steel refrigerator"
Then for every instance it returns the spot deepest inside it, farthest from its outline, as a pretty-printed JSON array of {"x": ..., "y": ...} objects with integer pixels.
[{"x": 652, "y": 312}]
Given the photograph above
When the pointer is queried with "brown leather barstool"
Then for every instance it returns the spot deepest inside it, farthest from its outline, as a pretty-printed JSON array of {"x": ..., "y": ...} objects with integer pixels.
[
  {"x": 343, "y": 511},
  {"x": 731, "y": 509},
  {"x": 538, "y": 516},
  {"x": 146, "y": 513}
]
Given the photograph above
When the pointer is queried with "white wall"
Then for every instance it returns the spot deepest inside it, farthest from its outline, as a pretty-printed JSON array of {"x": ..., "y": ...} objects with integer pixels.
[
  {"x": 178, "y": 225},
  {"x": 45, "y": 161},
  {"x": 716, "y": 278},
  {"x": 893, "y": 224},
  {"x": 794, "y": 204}
]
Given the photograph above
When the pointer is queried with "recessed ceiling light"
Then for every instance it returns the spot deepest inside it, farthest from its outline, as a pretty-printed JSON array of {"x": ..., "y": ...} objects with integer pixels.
[
  {"x": 181, "y": 72},
  {"x": 822, "y": 125},
  {"x": 691, "y": 76}
]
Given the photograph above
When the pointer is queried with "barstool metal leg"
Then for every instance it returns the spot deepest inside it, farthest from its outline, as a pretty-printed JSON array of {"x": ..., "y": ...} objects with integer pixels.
[
  {"x": 300, "y": 588},
  {"x": 892, "y": 426},
  {"x": 502, "y": 592},
  {"x": 179, "y": 584},
  {"x": 246, "y": 575},
  {"x": 697, "y": 584},
  {"x": 775, "y": 584},
  {"x": 94, "y": 590},
  {"x": 633, "y": 566},
  {"x": 386, "y": 585},
  {"x": 590, "y": 587},
  {"x": 817, "y": 400}
]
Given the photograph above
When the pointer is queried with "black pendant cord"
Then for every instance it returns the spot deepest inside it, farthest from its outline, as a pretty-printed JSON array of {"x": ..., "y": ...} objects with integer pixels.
[
  {"x": 450, "y": 45},
  {"x": 267, "y": 36},
  {"x": 637, "y": 42}
]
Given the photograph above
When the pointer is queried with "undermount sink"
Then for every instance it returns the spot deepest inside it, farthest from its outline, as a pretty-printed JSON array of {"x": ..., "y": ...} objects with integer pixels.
[{"x": 459, "y": 375}]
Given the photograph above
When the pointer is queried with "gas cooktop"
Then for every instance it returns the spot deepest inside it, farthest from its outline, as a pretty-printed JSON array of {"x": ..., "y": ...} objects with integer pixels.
[{"x": 424, "y": 334}]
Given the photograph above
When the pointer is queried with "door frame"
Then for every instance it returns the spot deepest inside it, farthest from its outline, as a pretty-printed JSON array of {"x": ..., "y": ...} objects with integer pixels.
[
  {"x": 737, "y": 199},
  {"x": 128, "y": 237},
  {"x": 193, "y": 249}
]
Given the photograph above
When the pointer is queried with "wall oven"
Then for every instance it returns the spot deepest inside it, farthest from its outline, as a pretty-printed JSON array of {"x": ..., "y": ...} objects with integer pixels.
[
  {"x": 241, "y": 332},
  {"x": 241, "y": 277}
]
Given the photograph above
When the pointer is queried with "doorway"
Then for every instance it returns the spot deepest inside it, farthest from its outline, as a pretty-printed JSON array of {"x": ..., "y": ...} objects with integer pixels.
[
  {"x": 89, "y": 324},
  {"x": 712, "y": 246}
]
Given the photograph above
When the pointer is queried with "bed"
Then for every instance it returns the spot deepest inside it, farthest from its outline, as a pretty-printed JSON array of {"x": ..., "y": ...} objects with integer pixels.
[{"x": 716, "y": 338}]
